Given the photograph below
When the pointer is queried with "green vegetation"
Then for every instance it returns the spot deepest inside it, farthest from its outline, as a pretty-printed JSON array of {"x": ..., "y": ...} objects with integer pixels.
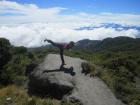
[
  {"x": 15, "y": 65},
  {"x": 117, "y": 68},
  {"x": 4, "y": 52},
  {"x": 116, "y": 44},
  {"x": 16, "y": 95}
]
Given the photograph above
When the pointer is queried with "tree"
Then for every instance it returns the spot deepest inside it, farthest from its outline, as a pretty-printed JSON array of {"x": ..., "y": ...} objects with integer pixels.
[{"x": 5, "y": 54}]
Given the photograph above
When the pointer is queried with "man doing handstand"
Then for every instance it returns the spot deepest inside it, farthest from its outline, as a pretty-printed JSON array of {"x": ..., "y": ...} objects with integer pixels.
[{"x": 61, "y": 47}]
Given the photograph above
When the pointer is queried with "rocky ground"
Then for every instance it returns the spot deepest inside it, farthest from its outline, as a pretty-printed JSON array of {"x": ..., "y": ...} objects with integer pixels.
[{"x": 69, "y": 83}]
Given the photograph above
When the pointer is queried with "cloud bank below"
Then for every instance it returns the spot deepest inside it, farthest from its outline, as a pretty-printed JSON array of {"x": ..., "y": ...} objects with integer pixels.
[
  {"x": 33, "y": 34},
  {"x": 28, "y": 25}
]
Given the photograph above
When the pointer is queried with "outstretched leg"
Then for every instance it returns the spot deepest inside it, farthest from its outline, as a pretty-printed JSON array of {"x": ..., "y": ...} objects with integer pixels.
[{"x": 53, "y": 43}]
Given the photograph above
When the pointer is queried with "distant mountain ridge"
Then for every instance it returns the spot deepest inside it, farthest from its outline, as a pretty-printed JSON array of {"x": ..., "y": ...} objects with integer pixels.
[
  {"x": 120, "y": 43},
  {"x": 109, "y": 44}
]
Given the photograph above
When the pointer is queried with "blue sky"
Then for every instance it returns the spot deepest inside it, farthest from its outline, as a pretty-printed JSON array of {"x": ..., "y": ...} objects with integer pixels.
[
  {"x": 90, "y": 6},
  {"x": 28, "y": 22}
]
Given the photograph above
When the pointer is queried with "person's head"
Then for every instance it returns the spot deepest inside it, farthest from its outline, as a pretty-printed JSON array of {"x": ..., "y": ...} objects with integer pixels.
[{"x": 70, "y": 45}]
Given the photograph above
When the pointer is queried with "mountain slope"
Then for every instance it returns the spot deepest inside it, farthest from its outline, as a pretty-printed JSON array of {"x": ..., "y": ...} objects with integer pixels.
[{"x": 110, "y": 44}]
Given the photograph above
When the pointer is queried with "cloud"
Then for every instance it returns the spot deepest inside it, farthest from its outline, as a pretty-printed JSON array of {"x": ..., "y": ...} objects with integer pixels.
[
  {"x": 33, "y": 34},
  {"x": 20, "y": 13},
  {"x": 28, "y": 25},
  {"x": 27, "y": 9}
]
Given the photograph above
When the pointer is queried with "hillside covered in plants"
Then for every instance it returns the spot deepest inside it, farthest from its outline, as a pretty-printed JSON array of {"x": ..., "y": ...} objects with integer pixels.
[{"x": 116, "y": 61}]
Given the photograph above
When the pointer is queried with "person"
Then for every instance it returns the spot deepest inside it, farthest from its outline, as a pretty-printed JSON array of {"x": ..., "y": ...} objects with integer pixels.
[{"x": 61, "y": 47}]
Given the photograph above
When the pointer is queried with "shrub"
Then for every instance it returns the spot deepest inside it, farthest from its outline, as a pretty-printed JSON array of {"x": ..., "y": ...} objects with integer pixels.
[
  {"x": 5, "y": 54},
  {"x": 87, "y": 67}
]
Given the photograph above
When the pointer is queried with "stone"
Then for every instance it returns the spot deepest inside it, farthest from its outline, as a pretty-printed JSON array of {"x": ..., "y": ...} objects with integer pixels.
[{"x": 69, "y": 83}]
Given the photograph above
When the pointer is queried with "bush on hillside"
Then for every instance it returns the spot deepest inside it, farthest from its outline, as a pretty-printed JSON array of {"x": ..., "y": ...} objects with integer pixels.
[{"x": 4, "y": 52}]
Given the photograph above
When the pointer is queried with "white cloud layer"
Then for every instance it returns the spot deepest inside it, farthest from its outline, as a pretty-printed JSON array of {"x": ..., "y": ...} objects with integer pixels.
[
  {"x": 28, "y": 25},
  {"x": 33, "y": 34}
]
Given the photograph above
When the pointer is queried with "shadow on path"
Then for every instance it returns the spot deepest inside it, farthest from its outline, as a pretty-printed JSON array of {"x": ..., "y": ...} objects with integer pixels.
[{"x": 62, "y": 69}]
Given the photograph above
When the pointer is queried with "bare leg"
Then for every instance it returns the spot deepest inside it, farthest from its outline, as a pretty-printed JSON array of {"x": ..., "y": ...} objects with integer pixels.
[
  {"x": 61, "y": 56},
  {"x": 53, "y": 43},
  {"x": 60, "y": 48}
]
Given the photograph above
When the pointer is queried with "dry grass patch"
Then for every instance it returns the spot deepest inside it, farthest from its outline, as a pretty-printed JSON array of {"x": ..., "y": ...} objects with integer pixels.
[{"x": 14, "y": 95}]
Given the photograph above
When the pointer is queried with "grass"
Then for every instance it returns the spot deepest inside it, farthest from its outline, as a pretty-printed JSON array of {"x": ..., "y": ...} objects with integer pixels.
[
  {"x": 117, "y": 70},
  {"x": 17, "y": 95}
]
